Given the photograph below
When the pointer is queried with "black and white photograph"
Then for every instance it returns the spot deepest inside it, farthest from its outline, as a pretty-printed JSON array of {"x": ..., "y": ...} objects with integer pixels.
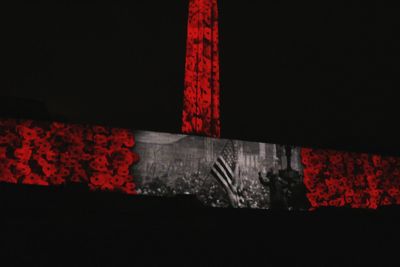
[{"x": 220, "y": 172}]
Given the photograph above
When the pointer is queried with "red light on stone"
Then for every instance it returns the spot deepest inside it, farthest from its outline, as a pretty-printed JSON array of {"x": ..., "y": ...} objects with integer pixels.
[{"x": 201, "y": 114}]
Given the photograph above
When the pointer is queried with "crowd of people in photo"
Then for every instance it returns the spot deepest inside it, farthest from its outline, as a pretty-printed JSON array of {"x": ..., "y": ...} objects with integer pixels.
[
  {"x": 274, "y": 188},
  {"x": 205, "y": 187}
]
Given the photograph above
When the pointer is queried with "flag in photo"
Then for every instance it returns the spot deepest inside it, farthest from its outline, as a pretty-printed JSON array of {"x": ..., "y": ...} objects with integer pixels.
[{"x": 224, "y": 171}]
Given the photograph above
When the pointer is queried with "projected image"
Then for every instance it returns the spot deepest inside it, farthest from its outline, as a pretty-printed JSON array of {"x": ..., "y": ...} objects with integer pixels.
[{"x": 220, "y": 172}]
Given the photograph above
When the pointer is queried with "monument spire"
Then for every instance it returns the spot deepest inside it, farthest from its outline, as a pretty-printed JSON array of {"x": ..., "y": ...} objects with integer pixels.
[{"x": 201, "y": 114}]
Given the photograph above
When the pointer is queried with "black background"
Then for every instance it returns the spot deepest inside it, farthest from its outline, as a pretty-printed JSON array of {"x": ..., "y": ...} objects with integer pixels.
[{"x": 313, "y": 74}]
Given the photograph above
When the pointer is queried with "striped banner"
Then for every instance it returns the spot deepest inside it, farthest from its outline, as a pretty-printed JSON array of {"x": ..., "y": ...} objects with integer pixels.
[{"x": 224, "y": 171}]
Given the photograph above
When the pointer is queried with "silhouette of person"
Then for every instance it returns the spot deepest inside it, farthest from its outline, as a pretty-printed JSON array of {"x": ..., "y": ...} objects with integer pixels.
[
  {"x": 298, "y": 199},
  {"x": 276, "y": 188}
]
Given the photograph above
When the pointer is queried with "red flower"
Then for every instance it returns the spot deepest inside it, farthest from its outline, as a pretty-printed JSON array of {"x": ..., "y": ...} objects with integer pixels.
[
  {"x": 305, "y": 160},
  {"x": 100, "y": 179},
  {"x": 57, "y": 180},
  {"x": 41, "y": 152},
  {"x": 27, "y": 133},
  {"x": 386, "y": 201},
  {"x": 130, "y": 188},
  {"x": 117, "y": 180},
  {"x": 23, "y": 169},
  {"x": 129, "y": 141},
  {"x": 349, "y": 199},
  {"x": 75, "y": 178},
  {"x": 100, "y": 139},
  {"x": 78, "y": 167},
  {"x": 64, "y": 172},
  {"x": 107, "y": 187},
  {"x": 373, "y": 205},
  {"x": 34, "y": 179},
  {"x": 49, "y": 170},
  {"x": 98, "y": 167},
  {"x": 51, "y": 155},
  {"x": 101, "y": 160},
  {"x": 123, "y": 170},
  {"x": 23, "y": 154}
]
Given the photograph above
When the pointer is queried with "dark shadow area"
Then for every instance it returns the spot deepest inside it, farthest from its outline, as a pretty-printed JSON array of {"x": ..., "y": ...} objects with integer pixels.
[
  {"x": 26, "y": 108},
  {"x": 314, "y": 74},
  {"x": 114, "y": 63},
  {"x": 106, "y": 228}
]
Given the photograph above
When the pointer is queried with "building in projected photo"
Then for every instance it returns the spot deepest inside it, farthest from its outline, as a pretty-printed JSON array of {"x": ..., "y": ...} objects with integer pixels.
[{"x": 179, "y": 164}]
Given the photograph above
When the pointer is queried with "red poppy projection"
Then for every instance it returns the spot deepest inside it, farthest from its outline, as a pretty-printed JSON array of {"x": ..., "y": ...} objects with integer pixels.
[
  {"x": 201, "y": 113},
  {"x": 345, "y": 179},
  {"x": 57, "y": 153}
]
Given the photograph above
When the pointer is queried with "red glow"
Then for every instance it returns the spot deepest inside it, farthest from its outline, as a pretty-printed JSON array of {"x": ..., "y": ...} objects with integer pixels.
[
  {"x": 344, "y": 179},
  {"x": 201, "y": 94},
  {"x": 58, "y": 153}
]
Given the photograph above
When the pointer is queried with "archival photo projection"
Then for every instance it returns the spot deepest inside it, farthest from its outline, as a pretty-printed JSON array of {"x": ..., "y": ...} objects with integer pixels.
[{"x": 220, "y": 172}]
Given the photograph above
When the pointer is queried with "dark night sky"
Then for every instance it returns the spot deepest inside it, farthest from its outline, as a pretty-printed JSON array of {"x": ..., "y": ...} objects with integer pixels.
[
  {"x": 309, "y": 74},
  {"x": 105, "y": 63}
]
